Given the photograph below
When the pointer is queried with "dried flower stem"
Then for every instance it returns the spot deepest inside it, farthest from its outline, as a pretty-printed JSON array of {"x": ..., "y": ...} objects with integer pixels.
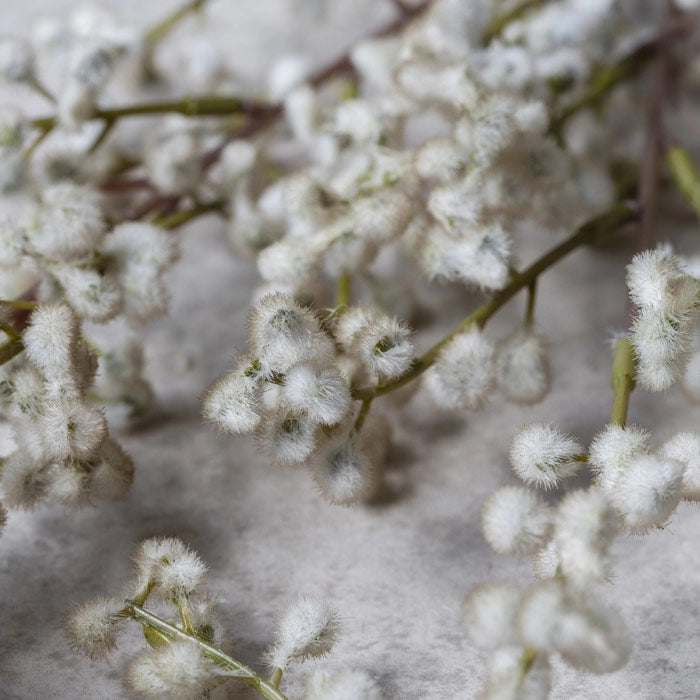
[
  {"x": 500, "y": 22},
  {"x": 236, "y": 669},
  {"x": 593, "y": 230},
  {"x": 161, "y": 30}
]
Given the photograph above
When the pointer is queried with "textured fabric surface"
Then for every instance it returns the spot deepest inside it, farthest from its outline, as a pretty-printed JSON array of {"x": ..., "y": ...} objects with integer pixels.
[{"x": 397, "y": 569}]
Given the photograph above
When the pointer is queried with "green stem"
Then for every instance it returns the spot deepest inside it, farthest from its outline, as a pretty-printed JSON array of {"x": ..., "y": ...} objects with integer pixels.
[
  {"x": 9, "y": 330},
  {"x": 531, "y": 298},
  {"x": 362, "y": 415},
  {"x": 592, "y": 231},
  {"x": 104, "y": 132},
  {"x": 23, "y": 304},
  {"x": 500, "y": 22},
  {"x": 191, "y": 106},
  {"x": 342, "y": 290},
  {"x": 237, "y": 670},
  {"x": 41, "y": 89},
  {"x": 603, "y": 80},
  {"x": 621, "y": 380},
  {"x": 160, "y": 30},
  {"x": 43, "y": 133},
  {"x": 685, "y": 175},
  {"x": 183, "y": 216},
  {"x": 9, "y": 350},
  {"x": 276, "y": 677}
]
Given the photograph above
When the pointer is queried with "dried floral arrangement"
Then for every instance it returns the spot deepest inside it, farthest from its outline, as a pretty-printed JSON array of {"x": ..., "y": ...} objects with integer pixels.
[{"x": 325, "y": 190}]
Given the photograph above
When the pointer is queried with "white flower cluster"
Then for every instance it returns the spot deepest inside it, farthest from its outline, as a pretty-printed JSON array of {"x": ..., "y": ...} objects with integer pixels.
[
  {"x": 568, "y": 544},
  {"x": 100, "y": 273},
  {"x": 64, "y": 451},
  {"x": 669, "y": 309},
  {"x": 179, "y": 666},
  {"x": 291, "y": 390}
]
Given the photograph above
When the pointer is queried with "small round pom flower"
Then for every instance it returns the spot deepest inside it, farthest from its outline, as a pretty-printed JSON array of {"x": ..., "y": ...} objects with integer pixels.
[
  {"x": 283, "y": 334},
  {"x": 95, "y": 296},
  {"x": 232, "y": 403},
  {"x": 322, "y": 394},
  {"x": 308, "y": 628},
  {"x": 515, "y": 521},
  {"x": 93, "y": 627},
  {"x": 344, "y": 684},
  {"x": 543, "y": 456},
  {"x": 69, "y": 224},
  {"x": 612, "y": 449},
  {"x": 685, "y": 448},
  {"x": 175, "y": 670},
  {"x": 463, "y": 373},
  {"x": 16, "y": 60},
  {"x": 489, "y": 614},
  {"x": 50, "y": 339},
  {"x": 24, "y": 482},
  {"x": 72, "y": 429},
  {"x": 587, "y": 634},
  {"x": 287, "y": 437},
  {"x": 174, "y": 569},
  {"x": 522, "y": 370},
  {"x": 506, "y": 679},
  {"x": 647, "y": 491},
  {"x": 584, "y": 527},
  {"x": 377, "y": 340},
  {"x": 346, "y": 474}
]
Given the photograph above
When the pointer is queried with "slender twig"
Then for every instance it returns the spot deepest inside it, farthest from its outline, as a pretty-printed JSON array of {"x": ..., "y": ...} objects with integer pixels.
[
  {"x": 594, "y": 230},
  {"x": 165, "y": 26},
  {"x": 9, "y": 350},
  {"x": 236, "y": 669},
  {"x": 531, "y": 299},
  {"x": 622, "y": 380},
  {"x": 183, "y": 216},
  {"x": 342, "y": 290},
  {"x": 685, "y": 175},
  {"x": 499, "y": 22}
]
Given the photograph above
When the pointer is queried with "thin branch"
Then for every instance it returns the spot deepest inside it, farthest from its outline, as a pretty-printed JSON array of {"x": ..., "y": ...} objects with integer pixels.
[
  {"x": 592, "y": 231},
  {"x": 622, "y": 380},
  {"x": 685, "y": 175},
  {"x": 499, "y": 22}
]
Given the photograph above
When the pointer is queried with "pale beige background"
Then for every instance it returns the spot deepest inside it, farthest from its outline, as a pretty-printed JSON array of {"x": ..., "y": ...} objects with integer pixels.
[{"x": 397, "y": 570}]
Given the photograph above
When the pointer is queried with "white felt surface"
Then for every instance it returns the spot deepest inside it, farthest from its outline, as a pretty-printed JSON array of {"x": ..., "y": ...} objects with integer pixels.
[{"x": 397, "y": 569}]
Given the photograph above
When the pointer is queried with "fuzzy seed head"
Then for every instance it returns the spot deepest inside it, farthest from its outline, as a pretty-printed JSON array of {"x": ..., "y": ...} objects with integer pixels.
[
  {"x": 543, "y": 456},
  {"x": 489, "y": 614},
  {"x": 24, "y": 482},
  {"x": 232, "y": 403},
  {"x": 612, "y": 449},
  {"x": 463, "y": 372},
  {"x": 308, "y": 628},
  {"x": 322, "y": 394},
  {"x": 50, "y": 339},
  {"x": 647, "y": 491},
  {"x": 522, "y": 369},
  {"x": 72, "y": 429},
  {"x": 95, "y": 296},
  {"x": 685, "y": 448},
  {"x": 286, "y": 436},
  {"x": 93, "y": 627},
  {"x": 176, "y": 670}
]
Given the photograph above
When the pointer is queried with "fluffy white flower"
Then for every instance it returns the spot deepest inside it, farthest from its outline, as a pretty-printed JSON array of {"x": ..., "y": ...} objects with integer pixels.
[
  {"x": 515, "y": 521},
  {"x": 113, "y": 472},
  {"x": 175, "y": 670},
  {"x": 16, "y": 59},
  {"x": 94, "y": 295},
  {"x": 522, "y": 370},
  {"x": 489, "y": 614},
  {"x": 94, "y": 625},
  {"x": 587, "y": 634},
  {"x": 24, "y": 482},
  {"x": 69, "y": 223},
  {"x": 174, "y": 161},
  {"x": 440, "y": 159},
  {"x": 286, "y": 73},
  {"x": 378, "y": 341},
  {"x": 322, "y": 394},
  {"x": 612, "y": 449},
  {"x": 463, "y": 373},
  {"x": 50, "y": 339},
  {"x": 173, "y": 568},
  {"x": 72, "y": 429},
  {"x": 506, "y": 679},
  {"x": 287, "y": 437},
  {"x": 584, "y": 527},
  {"x": 345, "y": 472},
  {"x": 308, "y": 628},
  {"x": 283, "y": 334},
  {"x": 685, "y": 448},
  {"x": 546, "y": 562},
  {"x": 543, "y": 456},
  {"x": 344, "y": 684},
  {"x": 232, "y": 403},
  {"x": 381, "y": 216},
  {"x": 647, "y": 491}
]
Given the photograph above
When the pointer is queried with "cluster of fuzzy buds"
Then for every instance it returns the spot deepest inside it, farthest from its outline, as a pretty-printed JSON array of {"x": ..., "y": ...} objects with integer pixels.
[
  {"x": 291, "y": 390},
  {"x": 669, "y": 307},
  {"x": 64, "y": 452},
  {"x": 100, "y": 273},
  {"x": 185, "y": 657},
  {"x": 522, "y": 628}
]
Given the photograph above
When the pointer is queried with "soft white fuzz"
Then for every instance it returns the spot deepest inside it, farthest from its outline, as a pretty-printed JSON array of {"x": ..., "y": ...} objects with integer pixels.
[
  {"x": 543, "y": 456},
  {"x": 323, "y": 395},
  {"x": 685, "y": 448},
  {"x": 515, "y": 521},
  {"x": 344, "y": 684},
  {"x": 287, "y": 437},
  {"x": 308, "y": 628},
  {"x": 522, "y": 369},
  {"x": 489, "y": 614},
  {"x": 94, "y": 625}
]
